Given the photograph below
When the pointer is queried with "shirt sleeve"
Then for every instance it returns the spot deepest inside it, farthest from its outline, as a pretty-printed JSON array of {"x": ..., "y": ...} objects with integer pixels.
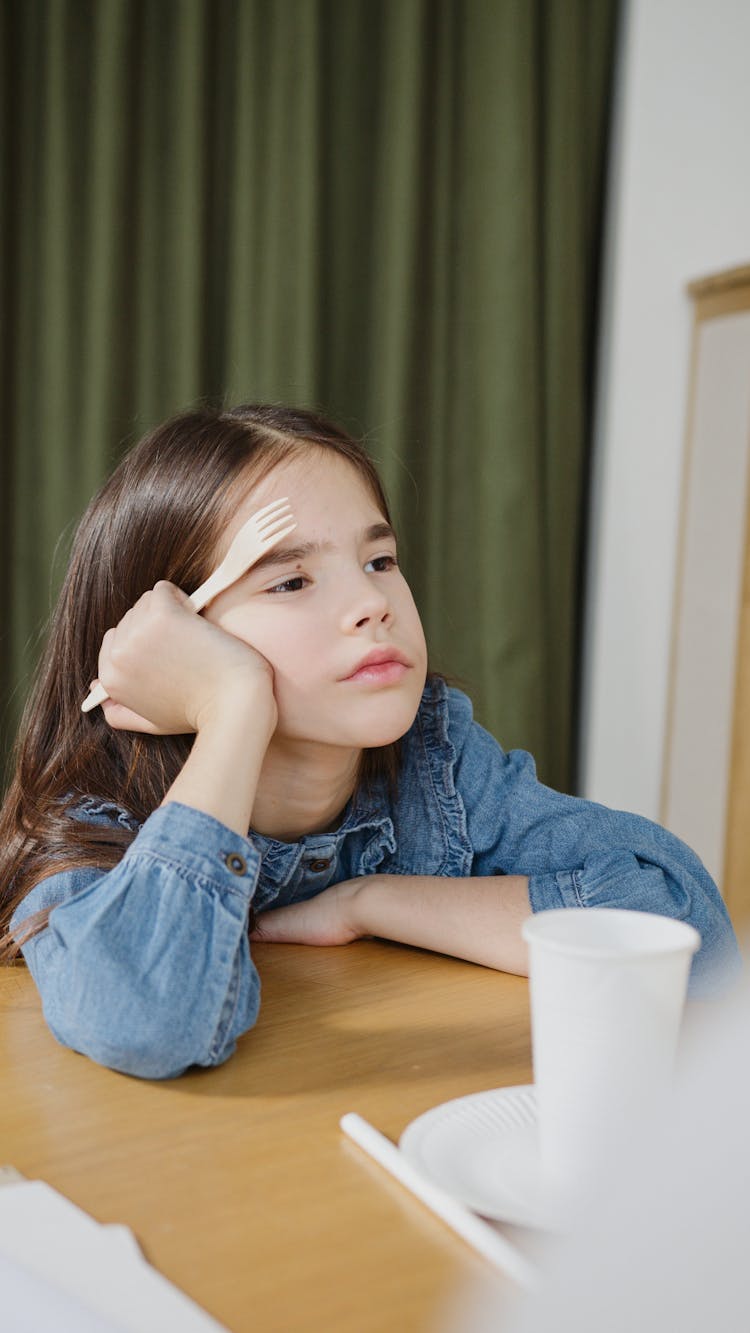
[
  {"x": 578, "y": 853},
  {"x": 146, "y": 968}
]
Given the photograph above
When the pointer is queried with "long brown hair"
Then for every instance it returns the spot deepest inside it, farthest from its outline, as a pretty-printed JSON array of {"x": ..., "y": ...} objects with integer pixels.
[{"x": 157, "y": 517}]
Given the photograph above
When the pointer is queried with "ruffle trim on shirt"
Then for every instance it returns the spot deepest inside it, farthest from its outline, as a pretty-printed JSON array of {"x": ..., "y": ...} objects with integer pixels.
[
  {"x": 280, "y": 859},
  {"x": 94, "y": 809},
  {"x": 430, "y": 733}
]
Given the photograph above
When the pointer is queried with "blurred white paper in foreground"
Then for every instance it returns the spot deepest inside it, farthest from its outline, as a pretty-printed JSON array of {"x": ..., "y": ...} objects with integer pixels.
[
  {"x": 664, "y": 1244},
  {"x": 52, "y": 1250}
]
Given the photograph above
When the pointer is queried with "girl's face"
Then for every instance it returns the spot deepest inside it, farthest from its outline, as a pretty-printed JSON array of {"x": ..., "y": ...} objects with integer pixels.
[{"x": 319, "y": 603}]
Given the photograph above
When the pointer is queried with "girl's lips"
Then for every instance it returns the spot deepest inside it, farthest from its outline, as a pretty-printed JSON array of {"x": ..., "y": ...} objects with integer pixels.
[
  {"x": 380, "y": 673},
  {"x": 381, "y": 655}
]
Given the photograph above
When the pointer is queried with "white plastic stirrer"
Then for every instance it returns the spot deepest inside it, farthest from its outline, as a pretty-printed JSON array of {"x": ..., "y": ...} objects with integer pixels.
[{"x": 471, "y": 1228}]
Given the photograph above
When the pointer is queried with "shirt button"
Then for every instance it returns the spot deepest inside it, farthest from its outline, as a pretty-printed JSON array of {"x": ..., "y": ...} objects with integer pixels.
[
  {"x": 319, "y": 864},
  {"x": 236, "y": 863}
]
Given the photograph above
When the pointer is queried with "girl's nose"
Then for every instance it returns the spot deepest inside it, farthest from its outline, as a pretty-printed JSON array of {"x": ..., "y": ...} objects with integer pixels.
[{"x": 367, "y": 604}]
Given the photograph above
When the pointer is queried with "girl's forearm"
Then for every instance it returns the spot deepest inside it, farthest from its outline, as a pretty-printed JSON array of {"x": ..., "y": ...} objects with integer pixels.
[
  {"x": 220, "y": 776},
  {"x": 475, "y": 918}
]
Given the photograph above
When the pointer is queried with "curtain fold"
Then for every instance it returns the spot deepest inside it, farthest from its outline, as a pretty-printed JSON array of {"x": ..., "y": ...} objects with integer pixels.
[{"x": 389, "y": 211}]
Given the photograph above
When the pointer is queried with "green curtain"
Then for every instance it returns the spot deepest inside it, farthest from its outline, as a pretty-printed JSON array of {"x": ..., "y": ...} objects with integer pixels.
[{"x": 387, "y": 209}]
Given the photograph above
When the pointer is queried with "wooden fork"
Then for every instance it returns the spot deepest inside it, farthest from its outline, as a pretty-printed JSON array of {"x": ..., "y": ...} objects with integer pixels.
[{"x": 262, "y": 531}]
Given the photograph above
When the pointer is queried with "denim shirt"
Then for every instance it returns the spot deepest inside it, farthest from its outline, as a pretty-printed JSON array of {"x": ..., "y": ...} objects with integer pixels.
[{"x": 147, "y": 968}]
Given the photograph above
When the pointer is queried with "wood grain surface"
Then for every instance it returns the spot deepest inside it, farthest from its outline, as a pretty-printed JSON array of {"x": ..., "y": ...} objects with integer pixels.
[{"x": 237, "y": 1181}]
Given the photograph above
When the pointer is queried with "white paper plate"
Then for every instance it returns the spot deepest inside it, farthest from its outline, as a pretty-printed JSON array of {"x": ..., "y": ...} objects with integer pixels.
[{"x": 483, "y": 1149}]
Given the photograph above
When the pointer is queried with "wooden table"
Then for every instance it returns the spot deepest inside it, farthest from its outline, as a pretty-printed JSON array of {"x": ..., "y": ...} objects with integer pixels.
[{"x": 237, "y": 1181}]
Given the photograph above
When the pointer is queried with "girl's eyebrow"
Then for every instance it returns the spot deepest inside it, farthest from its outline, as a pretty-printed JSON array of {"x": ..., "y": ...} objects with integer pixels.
[{"x": 282, "y": 555}]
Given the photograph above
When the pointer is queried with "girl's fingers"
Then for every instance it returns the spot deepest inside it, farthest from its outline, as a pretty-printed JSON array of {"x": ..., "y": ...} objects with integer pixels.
[
  {"x": 120, "y": 718},
  {"x": 175, "y": 593},
  {"x": 281, "y": 925},
  {"x": 104, "y": 651},
  {"x": 323, "y": 920}
]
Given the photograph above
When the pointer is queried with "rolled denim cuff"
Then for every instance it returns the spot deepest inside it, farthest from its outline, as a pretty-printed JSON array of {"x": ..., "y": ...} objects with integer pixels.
[
  {"x": 193, "y": 843},
  {"x": 556, "y": 889}
]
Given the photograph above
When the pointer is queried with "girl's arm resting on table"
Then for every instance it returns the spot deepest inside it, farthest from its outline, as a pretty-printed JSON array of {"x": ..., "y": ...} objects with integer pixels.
[
  {"x": 478, "y": 919},
  {"x": 577, "y": 853},
  {"x": 147, "y": 969}
]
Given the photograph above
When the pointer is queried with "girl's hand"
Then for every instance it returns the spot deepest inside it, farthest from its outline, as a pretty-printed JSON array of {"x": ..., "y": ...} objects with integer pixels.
[
  {"x": 168, "y": 671},
  {"x": 326, "y": 919}
]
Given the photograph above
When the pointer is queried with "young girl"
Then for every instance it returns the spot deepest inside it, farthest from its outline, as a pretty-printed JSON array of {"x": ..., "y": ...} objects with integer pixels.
[{"x": 281, "y": 767}]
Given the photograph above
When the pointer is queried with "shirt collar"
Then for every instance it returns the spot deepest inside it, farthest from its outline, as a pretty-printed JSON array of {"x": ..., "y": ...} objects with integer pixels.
[{"x": 366, "y": 810}]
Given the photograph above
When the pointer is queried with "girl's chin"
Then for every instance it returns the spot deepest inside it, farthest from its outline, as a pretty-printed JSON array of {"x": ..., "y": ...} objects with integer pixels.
[
  {"x": 362, "y": 733},
  {"x": 386, "y": 724}
]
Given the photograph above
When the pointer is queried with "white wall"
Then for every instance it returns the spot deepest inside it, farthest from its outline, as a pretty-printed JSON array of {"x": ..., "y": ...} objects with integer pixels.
[{"x": 679, "y": 209}]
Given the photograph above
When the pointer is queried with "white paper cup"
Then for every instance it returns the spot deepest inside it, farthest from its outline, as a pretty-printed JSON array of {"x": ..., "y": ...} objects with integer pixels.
[{"x": 607, "y": 994}]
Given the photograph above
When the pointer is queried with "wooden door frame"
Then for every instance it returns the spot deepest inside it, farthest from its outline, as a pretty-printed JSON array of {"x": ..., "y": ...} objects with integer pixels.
[{"x": 716, "y": 297}]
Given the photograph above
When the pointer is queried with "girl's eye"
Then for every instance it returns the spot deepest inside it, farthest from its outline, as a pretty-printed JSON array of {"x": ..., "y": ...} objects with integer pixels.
[
  {"x": 385, "y": 562},
  {"x": 294, "y": 584},
  {"x": 380, "y": 564}
]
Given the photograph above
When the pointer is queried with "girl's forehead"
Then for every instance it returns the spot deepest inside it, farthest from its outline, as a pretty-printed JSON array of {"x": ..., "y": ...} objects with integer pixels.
[
  {"x": 321, "y": 488},
  {"x": 312, "y": 479}
]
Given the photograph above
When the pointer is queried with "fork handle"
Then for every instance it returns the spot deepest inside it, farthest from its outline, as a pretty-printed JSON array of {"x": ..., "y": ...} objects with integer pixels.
[
  {"x": 94, "y": 698},
  {"x": 213, "y": 585}
]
